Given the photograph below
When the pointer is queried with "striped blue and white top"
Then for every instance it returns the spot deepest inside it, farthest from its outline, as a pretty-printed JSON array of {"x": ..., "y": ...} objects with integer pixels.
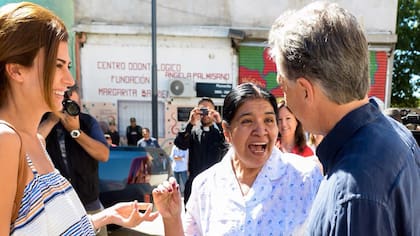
[{"x": 50, "y": 206}]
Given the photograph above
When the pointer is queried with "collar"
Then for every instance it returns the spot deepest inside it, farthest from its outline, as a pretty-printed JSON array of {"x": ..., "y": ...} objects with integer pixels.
[
  {"x": 343, "y": 132},
  {"x": 272, "y": 168}
]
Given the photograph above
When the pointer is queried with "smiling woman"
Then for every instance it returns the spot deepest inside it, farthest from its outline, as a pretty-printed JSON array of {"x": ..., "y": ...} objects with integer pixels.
[
  {"x": 254, "y": 186},
  {"x": 291, "y": 134},
  {"x": 34, "y": 74}
]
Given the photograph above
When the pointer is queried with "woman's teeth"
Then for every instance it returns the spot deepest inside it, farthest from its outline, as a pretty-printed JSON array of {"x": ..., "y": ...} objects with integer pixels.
[
  {"x": 61, "y": 93},
  {"x": 258, "y": 147}
]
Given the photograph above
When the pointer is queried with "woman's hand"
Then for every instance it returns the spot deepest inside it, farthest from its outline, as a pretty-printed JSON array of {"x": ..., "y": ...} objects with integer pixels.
[
  {"x": 126, "y": 214},
  {"x": 167, "y": 199}
]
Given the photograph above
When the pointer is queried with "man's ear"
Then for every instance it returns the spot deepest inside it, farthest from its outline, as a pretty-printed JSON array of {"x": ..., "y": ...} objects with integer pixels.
[
  {"x": 307, "y": 89},
  {"x": 13, "y": 71}
]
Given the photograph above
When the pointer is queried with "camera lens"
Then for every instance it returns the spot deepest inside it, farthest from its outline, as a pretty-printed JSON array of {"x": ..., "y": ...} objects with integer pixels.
[{"x": 71, "y": 107}]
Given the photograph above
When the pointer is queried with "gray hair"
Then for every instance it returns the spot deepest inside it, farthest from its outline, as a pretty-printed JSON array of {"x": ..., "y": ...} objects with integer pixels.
[{"x": 324, "y": 44}]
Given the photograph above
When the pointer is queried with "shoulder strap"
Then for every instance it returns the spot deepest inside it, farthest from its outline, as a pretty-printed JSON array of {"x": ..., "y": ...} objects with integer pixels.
[{"x": 21, "y": 179}]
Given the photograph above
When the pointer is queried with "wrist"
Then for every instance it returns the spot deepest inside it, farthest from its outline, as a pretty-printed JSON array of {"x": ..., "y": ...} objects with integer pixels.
[
  {"x": 99, "y": 220},
  {"x": 173, "y": 224},
  {"x": 75, "y": 133},
  {"x": 92, "y": 222}
]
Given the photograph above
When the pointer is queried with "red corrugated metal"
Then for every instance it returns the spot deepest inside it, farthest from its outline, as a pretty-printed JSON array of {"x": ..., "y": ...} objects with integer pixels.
[
  {"x": 378, "y": 82},
  {"x": 256, "y": 67}
]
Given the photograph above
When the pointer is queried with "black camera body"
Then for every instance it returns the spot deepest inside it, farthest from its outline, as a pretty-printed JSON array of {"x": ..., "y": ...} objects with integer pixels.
[
  {"x": 204, "y": 111},
  {"x": 70, "y": 106}
]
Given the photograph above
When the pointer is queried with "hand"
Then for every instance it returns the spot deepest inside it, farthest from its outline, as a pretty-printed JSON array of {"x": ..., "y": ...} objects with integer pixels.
[
  {"x": 195, "y": 116},
  {"x": 70, "y": 122},
  {"x": 167, "y": 199},
  {"x": 127, "y": 214},
  {"x": 215, "y": 115}
]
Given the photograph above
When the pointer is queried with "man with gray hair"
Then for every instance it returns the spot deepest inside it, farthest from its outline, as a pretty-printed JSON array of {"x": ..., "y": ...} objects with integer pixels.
[{"x": 371, "y": 162}]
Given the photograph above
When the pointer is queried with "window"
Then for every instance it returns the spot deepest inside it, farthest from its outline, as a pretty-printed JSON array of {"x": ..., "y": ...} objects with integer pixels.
[{"x": 142, "y": 111}]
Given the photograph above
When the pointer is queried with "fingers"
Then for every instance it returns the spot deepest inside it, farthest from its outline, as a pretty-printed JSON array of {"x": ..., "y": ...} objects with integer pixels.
[
  {"x": 148, "y": 215},
  {"x": 152, "y": 216},
  {"x": 134, "y": 209},
  {"x": 169, "y": 186},
  {"x": 174, "y": 185},
  {"x": 144, "y": 206}
]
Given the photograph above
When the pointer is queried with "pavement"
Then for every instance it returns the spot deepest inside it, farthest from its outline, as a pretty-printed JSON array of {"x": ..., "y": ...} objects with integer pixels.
[{"x": 145, "y": 228}]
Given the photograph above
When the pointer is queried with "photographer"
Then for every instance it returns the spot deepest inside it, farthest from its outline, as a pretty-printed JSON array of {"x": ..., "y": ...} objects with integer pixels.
[
  {"x": 204, "y": 138},
  {"x": 75, "y": 143}
]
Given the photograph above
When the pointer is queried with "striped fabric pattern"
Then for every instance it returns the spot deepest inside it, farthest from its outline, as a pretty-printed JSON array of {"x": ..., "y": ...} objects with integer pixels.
[{"x": 50, "y": 206}]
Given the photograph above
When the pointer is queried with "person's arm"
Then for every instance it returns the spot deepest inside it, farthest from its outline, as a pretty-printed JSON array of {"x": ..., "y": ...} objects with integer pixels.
[
  {"x": 156, "y": 143},
  {"x": 139, "y": 132},
  {"x": 47, "y": 124},
  {"x": 126, "y": 214},
  {"x": 182, "y": 139},
  {"x": 167, "y": 199},
  {"x": 10, "y": 147},
  {"x": 117, "y": 141},
  {"x": 218, "y": 121},
  {"x": 364, "y": 217},
  {"x": 96, "y": 149},
  {"x": 172, "y": 154}
]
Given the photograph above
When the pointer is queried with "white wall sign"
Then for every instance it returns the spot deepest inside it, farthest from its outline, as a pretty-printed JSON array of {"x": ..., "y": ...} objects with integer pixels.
[{"x": 115, "y": 72}]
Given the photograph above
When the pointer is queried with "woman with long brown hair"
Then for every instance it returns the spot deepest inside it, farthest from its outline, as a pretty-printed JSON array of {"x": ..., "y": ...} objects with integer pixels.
[{"x": 34, "y": 74}]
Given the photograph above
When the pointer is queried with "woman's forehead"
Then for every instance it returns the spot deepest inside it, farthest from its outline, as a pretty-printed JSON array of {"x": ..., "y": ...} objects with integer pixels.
[{"x": 255, "y": 106}]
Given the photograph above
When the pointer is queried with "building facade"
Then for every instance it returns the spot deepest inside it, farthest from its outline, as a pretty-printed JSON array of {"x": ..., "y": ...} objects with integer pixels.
[{"x": 203, "y": 49}]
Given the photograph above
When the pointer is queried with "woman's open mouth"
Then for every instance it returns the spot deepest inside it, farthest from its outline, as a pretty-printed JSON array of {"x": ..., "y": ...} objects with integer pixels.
[{"x": 258, "y": 147}]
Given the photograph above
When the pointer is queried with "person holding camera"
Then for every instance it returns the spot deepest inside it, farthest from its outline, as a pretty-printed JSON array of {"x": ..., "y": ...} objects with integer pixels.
[
  {"x": 204, "y": 139},
  {"x": 76, "y": 144}
]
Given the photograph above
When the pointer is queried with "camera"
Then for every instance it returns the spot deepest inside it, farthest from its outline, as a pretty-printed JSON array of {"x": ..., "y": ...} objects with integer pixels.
[
  {"x": 70, "y": 106},
  {"x": 204, "y": 111},
  {"x": 411, "y": 118}
]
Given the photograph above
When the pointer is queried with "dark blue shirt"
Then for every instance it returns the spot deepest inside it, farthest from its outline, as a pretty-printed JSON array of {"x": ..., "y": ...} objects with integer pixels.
[
  {"x": 372, "y": 182},
  {"x": 79, "y": 167}
]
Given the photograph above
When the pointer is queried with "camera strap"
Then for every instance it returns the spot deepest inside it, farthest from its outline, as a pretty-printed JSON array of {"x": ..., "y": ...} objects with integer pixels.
[{"x": 62, "y": 145}]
